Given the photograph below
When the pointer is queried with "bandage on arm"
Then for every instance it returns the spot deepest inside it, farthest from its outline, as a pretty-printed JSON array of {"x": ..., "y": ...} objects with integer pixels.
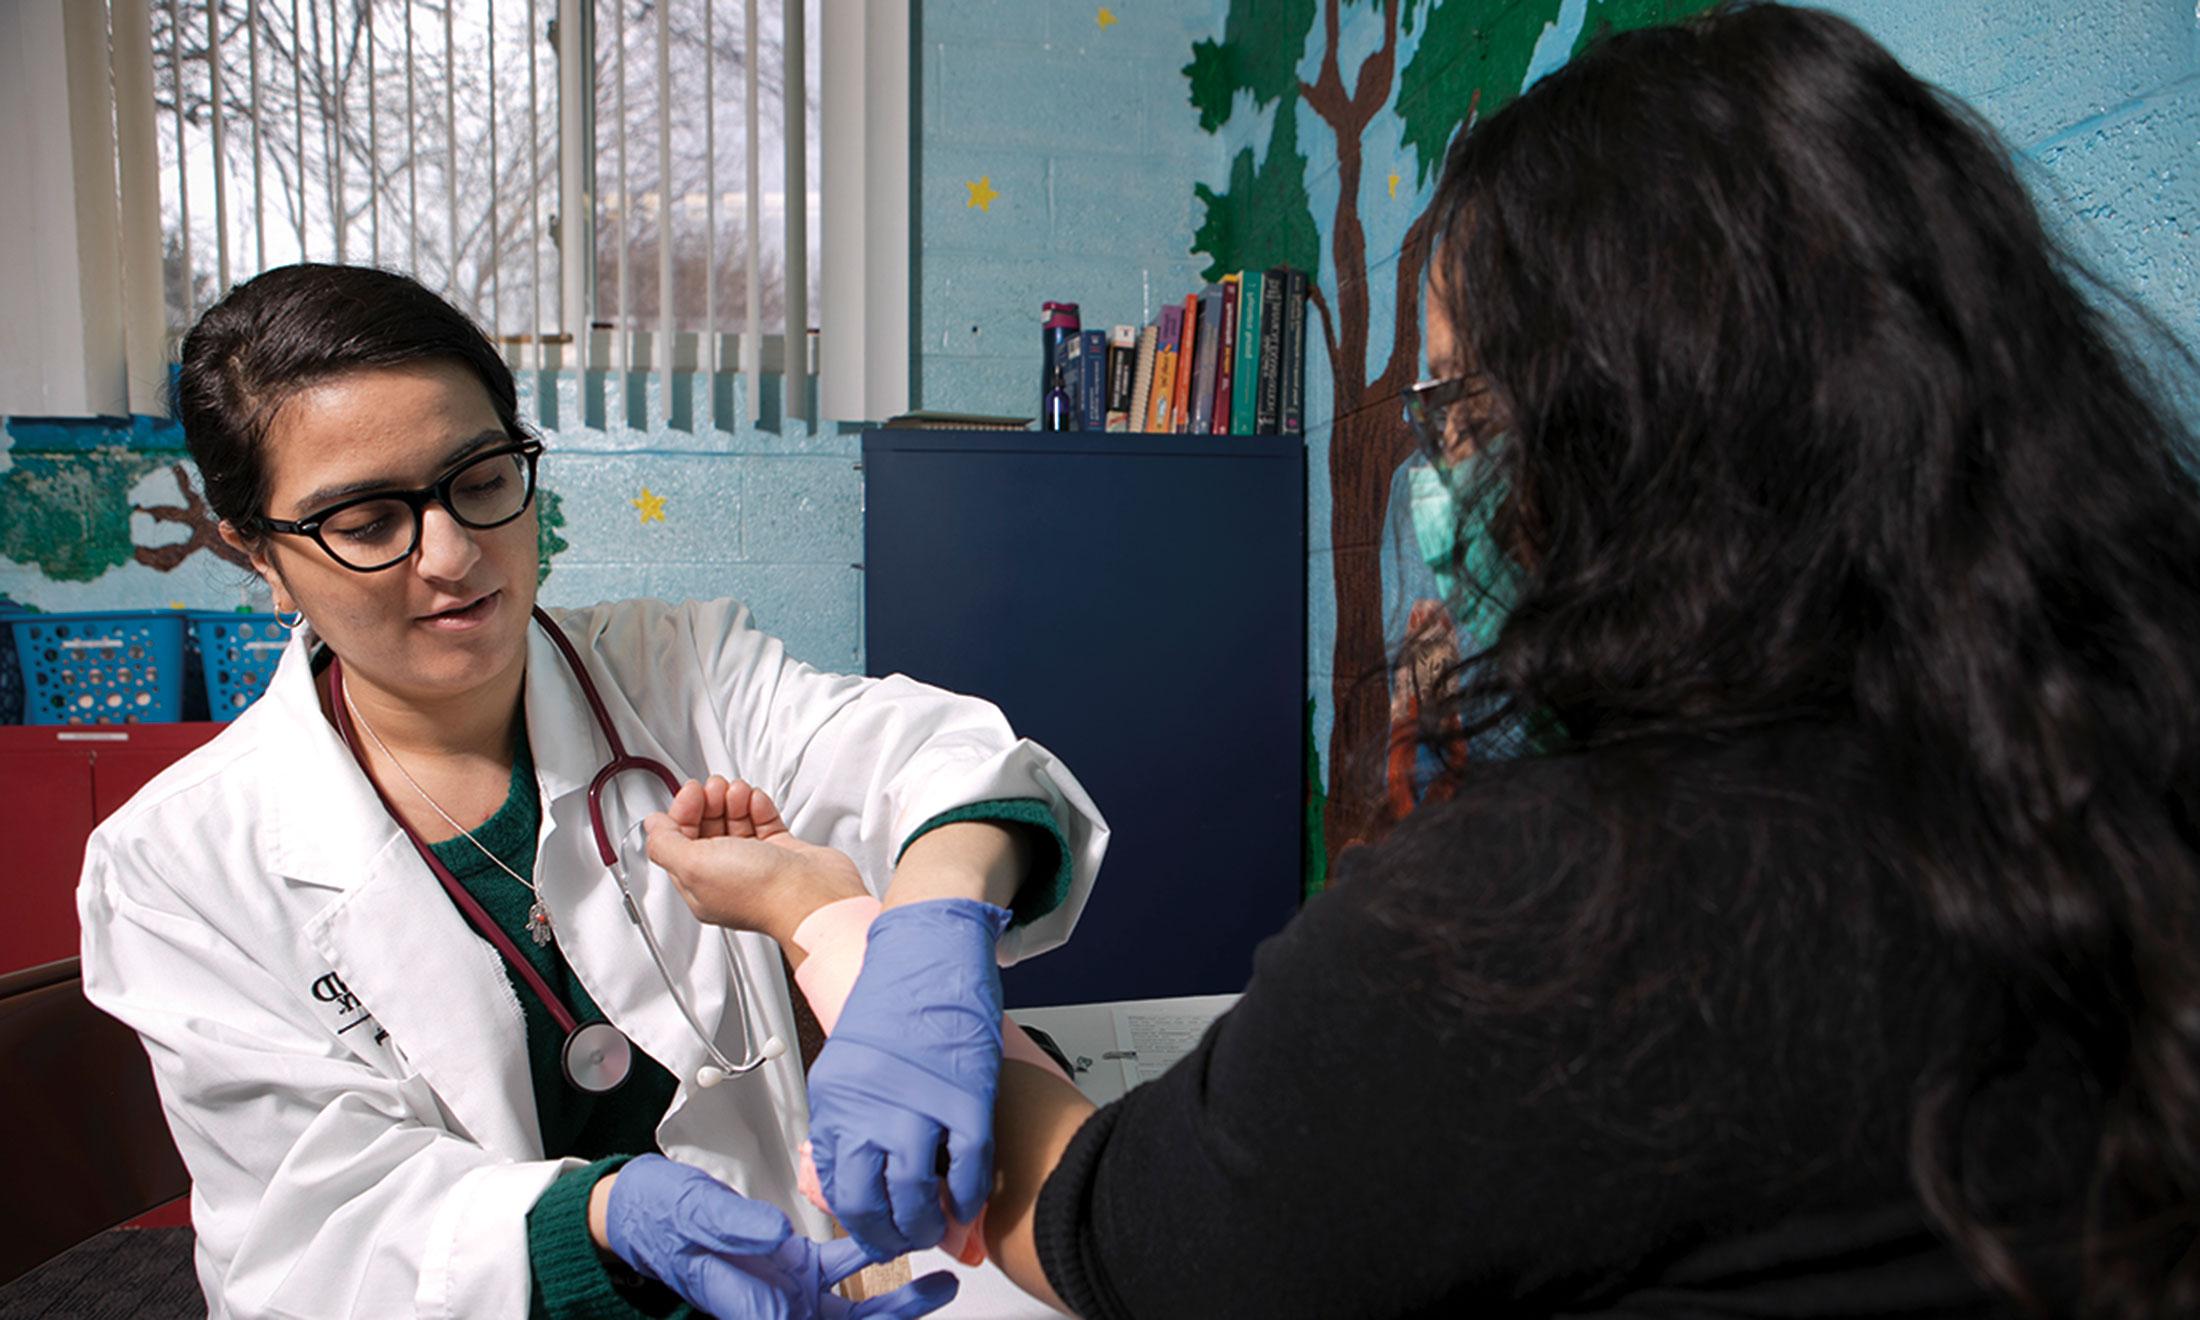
[{"x": 832, "y": 940}]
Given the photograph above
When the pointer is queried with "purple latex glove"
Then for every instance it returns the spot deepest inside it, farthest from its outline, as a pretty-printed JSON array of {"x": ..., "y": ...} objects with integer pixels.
[
  {"x": 739, "y": 1259},
  {"x": 912, "y": 1067}
]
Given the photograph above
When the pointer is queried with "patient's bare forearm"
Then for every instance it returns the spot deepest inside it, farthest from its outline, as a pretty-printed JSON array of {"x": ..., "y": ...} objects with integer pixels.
[
  {"x": 966, "y": 859},
  {"x": 1033, "y": 1120}
]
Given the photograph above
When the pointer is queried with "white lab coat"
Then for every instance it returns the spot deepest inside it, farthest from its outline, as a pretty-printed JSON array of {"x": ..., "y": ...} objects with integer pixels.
[{"x": 368, "y": 1145}]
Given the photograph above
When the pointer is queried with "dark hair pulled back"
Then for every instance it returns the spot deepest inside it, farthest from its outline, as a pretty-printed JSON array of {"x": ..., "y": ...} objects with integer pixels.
[
  {"x": 1808, "y": 417},
  {"x": 293, "y": 327}
]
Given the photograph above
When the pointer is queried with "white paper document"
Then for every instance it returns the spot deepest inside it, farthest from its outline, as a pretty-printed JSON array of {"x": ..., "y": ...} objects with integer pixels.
[{"x": 1151, "y": 1036}]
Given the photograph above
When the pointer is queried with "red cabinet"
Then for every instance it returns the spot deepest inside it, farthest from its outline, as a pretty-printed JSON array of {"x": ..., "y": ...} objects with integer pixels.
[{"x": 55, "y": 784}]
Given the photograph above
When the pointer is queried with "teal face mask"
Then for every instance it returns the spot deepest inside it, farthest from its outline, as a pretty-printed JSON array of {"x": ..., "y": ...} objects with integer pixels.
[{"x": 1439, "y": 523}]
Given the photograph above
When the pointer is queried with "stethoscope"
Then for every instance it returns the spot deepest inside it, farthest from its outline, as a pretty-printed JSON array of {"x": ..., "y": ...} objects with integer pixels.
[{"x": 597, "y": 1056}]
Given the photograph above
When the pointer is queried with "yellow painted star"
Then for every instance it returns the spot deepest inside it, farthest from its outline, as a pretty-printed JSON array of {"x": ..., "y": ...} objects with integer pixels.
[
  {"x": 1106, "y": 18},
  {"x": 652, "y": 505},
  {"x": 1394, "y": 185},
  {"x": 982, "y": 193}
]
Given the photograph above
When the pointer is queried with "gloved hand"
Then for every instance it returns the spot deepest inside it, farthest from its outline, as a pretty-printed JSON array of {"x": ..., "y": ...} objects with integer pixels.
[
  {"x": 913, "y": 1063},
  {"x": 738, "y": 1259}
]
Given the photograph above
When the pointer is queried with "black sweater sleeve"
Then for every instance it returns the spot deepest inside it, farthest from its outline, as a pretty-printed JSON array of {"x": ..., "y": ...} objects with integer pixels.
[
  {"x": 1357, "y": 1138},
  {"x": 1318, "y": 1154}
]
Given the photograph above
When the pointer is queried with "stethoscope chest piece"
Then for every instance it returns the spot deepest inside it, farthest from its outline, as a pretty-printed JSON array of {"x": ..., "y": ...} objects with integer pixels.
[{"x": 598, "y": 1057}]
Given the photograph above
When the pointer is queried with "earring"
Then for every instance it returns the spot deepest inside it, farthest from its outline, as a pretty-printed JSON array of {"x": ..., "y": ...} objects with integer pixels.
[{"x": 290, "y": 625}]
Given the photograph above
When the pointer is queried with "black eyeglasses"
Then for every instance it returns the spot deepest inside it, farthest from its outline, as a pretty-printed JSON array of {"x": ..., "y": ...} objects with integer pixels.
[
  {"x": 1429, "y": 407},
  {"x": 374, "y": 532}
]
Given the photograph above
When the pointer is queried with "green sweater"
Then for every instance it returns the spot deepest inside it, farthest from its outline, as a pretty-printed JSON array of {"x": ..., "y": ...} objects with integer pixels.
[{"x": 572, "y": 1280}]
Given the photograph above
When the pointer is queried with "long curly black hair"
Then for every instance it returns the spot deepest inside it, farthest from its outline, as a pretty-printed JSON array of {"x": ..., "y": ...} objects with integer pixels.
[{"x": 1801, "y": 413}]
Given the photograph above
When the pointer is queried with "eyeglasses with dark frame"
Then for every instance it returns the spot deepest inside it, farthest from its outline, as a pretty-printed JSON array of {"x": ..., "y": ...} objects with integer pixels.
[
  {"x": 1429, "y": 404},
  {"x": 365, "y": 533}
]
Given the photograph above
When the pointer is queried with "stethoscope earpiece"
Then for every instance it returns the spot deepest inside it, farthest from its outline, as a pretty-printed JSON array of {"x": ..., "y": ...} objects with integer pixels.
[{"x": 708, "y": 1076}]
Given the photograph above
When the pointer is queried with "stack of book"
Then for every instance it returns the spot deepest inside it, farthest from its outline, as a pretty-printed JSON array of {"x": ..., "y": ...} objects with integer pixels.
[{"x": 1230, "y": 360}]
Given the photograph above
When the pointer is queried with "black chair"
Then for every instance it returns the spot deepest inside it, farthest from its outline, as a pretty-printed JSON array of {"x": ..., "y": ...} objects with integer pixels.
[{"x": 86, "y": 1148}]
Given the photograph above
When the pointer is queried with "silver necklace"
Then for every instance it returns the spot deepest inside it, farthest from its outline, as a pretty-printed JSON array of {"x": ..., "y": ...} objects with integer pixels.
[{"x": 538, "y": 916}]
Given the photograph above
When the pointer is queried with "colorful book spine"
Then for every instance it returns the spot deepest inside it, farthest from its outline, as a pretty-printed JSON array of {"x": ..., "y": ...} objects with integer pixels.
[
  {"x": 1122, "y": 376},
  {"x": 1225, "y": 356},
  {"x": 1202, "y": 421},
  {"x": 1292, "y": 418},
  {"x": 1067, "y": 350},
  {"x": 1268, "y": 403},
  {"x": 1091, "y": 386},
  {"x": 1142, "y": 377},
  {"x": 1187, "y": 362},
  {"x": 1245, "y": 367},
  {"x": 1160, "y": 414}
]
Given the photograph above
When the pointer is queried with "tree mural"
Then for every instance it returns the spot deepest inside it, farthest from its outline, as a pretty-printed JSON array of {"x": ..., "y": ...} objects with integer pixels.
[
  {"x": 1471, "y": 57},
  {"x": 69, "y": 513},
  {"x": 549, "y": 518},
  {"x": 193, "y": 515}
]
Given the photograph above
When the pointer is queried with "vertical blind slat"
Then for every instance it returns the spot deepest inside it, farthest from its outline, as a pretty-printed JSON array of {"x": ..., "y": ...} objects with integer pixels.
[
  {"x": 664, "y": 203},
  {"x": 298, "y": 116},
  {"x": 706, "y": 343},
  {"x": 752, "y": 341},
  {"x": 534, "y": 193},
  {"x": 794, "y": 212},
  {"x": 321, "y": 117},
  {"x": 576, "y": 229},
  {"x": 841, "y": 253},
  {"x": 137, "y": 155},
  {"x": 221, "y": 182},
  {"x": 183, "y": 160},
  {"x": 496, "y": 267},
  {"x": 412, "y": 156},
  {"x": 626, "y": 308},
  {"x": 374, "y": 147},
  {"x": 333, "y": 111},
  {"x": 450, "y": 159},
  {"x": 259, "y": 185}
]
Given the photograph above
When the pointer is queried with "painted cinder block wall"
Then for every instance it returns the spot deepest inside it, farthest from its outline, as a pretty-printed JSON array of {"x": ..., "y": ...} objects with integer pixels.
[
  {"x": 2100, "y": 99},
  {"x": 1056, "y": 160},
  {"x": 770, "y": 513}
]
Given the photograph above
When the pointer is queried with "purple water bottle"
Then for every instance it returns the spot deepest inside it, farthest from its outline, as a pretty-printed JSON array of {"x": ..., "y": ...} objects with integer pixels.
[{"x": 1061, "y": 324}]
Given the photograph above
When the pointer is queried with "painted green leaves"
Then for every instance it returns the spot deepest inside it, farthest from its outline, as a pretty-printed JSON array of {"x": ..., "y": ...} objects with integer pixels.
[{"x": 1262, "y": 218}]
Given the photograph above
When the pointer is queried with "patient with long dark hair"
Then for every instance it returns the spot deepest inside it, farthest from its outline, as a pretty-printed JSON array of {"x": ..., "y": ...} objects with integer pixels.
[{"x": 1824, "y": 941}]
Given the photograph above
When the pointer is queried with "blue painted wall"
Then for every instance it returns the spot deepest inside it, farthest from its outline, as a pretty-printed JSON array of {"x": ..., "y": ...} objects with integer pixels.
[
  {"x": 1074, "y": 114},
  {"x": 2101, "y": 99}
]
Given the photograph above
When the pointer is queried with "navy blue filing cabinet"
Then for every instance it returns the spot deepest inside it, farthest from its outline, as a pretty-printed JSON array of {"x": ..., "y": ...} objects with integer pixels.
[{"x": 1137, "y": 603}]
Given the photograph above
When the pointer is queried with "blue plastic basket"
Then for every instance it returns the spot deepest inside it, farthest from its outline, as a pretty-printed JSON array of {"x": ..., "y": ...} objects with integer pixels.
[
  {"x": 114, "y": 667},
  {"x": 238, "y": 654},
  {"x": 11, "y": 674}
]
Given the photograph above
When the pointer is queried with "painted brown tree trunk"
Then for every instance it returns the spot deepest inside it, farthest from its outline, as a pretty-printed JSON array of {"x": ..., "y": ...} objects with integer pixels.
[
  {"x": 1368, "y": 438},
  {"x": 197, "y": 516}
]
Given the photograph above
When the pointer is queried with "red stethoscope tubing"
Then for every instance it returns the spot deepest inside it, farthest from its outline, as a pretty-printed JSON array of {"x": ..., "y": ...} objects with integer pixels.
[
  {"x": 620, "y": 762},
  {"x": 477, "y": 916}
]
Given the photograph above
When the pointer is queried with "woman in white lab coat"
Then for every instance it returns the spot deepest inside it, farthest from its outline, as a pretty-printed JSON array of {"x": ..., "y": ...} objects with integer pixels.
[{"x": 316, "y": 922}]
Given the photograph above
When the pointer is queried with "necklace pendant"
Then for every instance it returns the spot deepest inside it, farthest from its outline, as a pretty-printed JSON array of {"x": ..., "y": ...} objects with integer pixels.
[{"x": 538, "y": 924}]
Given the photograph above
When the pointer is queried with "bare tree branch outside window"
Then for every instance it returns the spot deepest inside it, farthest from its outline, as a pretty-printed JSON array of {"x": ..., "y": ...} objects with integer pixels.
[{"x": 342, "y": 157}]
